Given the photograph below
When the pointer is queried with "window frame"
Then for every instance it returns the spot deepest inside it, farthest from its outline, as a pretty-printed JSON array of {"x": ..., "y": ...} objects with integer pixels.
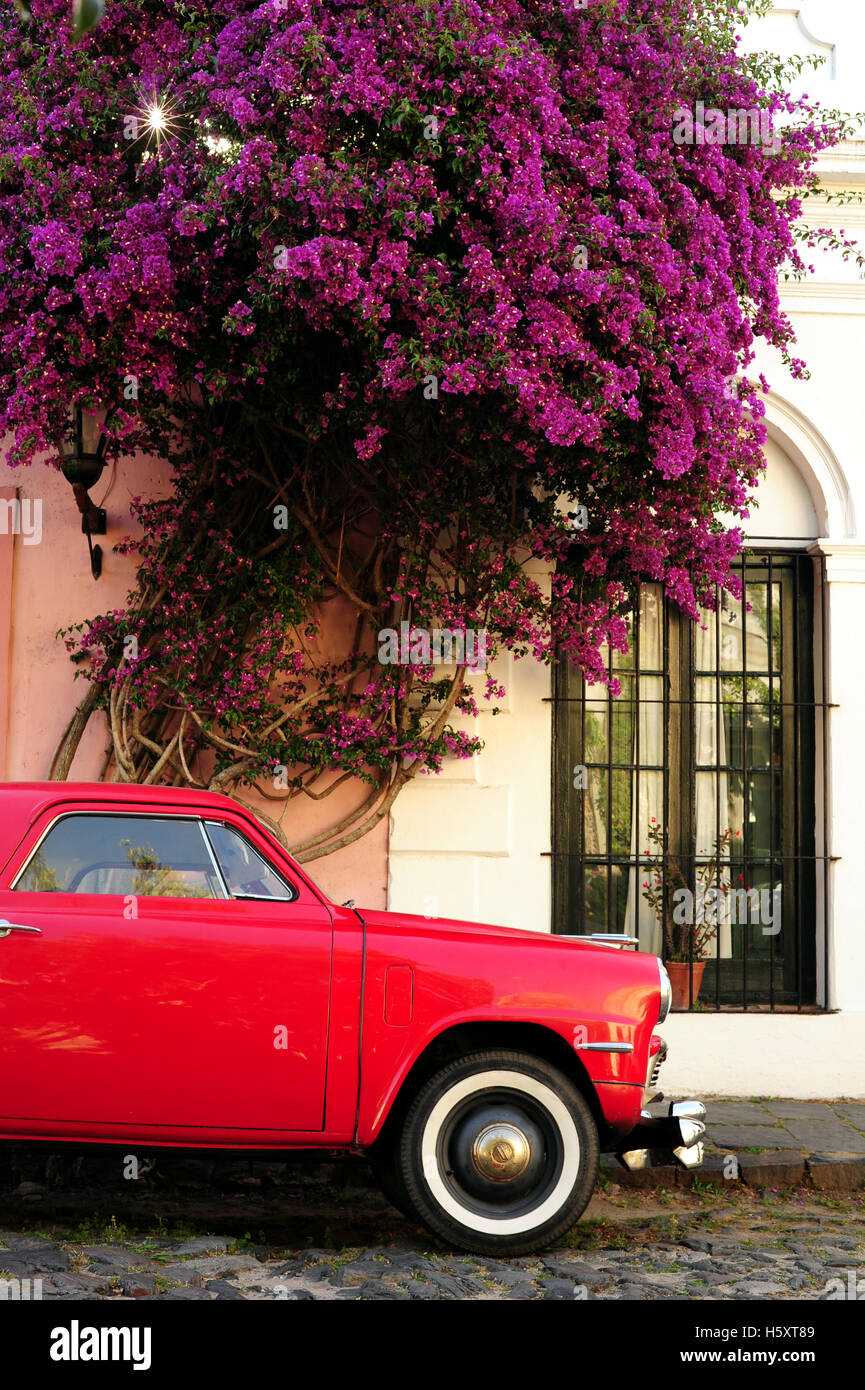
[
  {"x": 800, "y": 844},
  {"x": 222, "y": 896},
  {"x": 293, "y": 891}
]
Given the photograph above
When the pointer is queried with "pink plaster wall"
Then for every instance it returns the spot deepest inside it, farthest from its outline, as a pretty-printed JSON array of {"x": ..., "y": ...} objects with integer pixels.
[
  {"x": 7, "y": 549},
  {"x": 47, "y": 586}
]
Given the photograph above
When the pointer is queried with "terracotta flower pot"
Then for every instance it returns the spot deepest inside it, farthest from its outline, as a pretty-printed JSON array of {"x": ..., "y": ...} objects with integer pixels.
[{"x": 678, "y": 971}]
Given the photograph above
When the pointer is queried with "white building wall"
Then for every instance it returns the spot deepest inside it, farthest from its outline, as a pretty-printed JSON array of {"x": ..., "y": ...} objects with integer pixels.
[{"x": 475, "y": 844}]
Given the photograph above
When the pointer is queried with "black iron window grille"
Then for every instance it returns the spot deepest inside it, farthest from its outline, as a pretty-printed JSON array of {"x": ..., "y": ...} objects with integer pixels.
[{"x": 689, "y": 811}]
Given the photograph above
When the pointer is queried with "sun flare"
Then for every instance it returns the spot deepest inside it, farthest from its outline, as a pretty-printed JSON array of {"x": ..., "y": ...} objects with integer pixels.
[{"x": 155, "y": 120}]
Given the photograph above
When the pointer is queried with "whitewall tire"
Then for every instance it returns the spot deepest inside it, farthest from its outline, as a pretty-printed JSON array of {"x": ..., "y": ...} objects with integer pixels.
[{"x": 498, "y": 1153}]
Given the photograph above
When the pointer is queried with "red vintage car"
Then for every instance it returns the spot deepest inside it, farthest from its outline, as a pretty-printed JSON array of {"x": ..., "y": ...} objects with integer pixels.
[{"x": 169, "y": 976}]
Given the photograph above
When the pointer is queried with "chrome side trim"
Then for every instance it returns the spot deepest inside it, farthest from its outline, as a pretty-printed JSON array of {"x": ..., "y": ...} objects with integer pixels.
[
  {"x": 260, "y": 898},
  {"x": 602, "y": 936},
  {"x": 604, "y": 1047}
]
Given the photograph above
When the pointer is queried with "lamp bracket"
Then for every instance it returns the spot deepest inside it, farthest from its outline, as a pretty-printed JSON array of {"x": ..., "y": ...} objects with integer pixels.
[{"x": 95, "y": 522}]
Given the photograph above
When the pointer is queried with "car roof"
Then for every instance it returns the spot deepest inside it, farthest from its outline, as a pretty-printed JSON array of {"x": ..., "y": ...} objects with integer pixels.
[
  {"x": 36, "y": 795},
  {"x": 23, "y": 802}
]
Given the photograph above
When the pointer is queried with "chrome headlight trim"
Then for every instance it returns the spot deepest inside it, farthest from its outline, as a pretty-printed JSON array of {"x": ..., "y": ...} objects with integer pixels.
[{"x": 666, "y": 991}]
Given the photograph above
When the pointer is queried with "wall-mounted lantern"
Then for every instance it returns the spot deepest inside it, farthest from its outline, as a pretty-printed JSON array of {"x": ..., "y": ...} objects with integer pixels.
[{"x": 83, "y": 459}]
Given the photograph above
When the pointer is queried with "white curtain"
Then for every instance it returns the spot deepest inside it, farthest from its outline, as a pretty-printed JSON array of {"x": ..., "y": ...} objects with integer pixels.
[
  {"x": 711, "y": 750},
  {"x": 647, "y": 791},
  {"x": 640, "y": 918}
]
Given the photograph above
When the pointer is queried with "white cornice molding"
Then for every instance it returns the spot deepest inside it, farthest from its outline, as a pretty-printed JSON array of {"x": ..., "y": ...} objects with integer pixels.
[
  {"x": 816, "y": 210},
  {"x": 846, "y": 158},
  {"x": 822, "y": 299},
  {"x": 845, "y": 559},
  {"x": 811, "y": 288}
]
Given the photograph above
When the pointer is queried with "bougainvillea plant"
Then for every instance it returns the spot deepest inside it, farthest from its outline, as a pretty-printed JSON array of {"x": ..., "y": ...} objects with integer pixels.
[{"x": 409, "y": 293}]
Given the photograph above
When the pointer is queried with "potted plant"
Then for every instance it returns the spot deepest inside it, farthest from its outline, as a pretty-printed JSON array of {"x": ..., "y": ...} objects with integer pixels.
[{"x": 688, "y": 919}]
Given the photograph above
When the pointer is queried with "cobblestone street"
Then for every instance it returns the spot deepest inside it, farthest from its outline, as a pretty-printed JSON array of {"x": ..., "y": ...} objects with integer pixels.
[{"x": 246, "y": 1236}]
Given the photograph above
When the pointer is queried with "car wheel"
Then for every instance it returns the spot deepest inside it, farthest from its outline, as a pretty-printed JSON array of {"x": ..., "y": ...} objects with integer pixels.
[{"x": 498, "y": 1153}]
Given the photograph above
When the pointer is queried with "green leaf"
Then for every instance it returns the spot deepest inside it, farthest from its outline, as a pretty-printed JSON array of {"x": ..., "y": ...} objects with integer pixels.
[{"x": 86, "y": 14}]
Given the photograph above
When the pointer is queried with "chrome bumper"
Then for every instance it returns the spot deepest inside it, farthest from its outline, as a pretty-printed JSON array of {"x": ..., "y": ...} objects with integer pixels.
[{"x": 676, "y": 1137}]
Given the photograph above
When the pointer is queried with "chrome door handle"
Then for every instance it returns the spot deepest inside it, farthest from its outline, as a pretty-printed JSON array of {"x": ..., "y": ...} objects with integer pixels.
[{"x": 7, "y": 927}]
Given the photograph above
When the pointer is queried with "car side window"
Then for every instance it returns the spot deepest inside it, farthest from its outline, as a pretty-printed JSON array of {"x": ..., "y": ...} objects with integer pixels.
[
  {"x": 138, "y": 856},
  {"x": 247, "y": 874}
]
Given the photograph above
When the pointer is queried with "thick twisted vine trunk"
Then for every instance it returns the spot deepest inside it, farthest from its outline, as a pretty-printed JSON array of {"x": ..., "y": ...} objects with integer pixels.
[
  {"x": 215, "y": 678},
  {"x": 66, "y": 749}
]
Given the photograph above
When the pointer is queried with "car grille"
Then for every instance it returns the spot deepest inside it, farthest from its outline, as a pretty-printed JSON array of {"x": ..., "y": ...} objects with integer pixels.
[{"x": 660, "y": 1056}]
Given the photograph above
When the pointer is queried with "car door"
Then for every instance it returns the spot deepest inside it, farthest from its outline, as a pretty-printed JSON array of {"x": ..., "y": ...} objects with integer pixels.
[{"x": 136, "y": 992}]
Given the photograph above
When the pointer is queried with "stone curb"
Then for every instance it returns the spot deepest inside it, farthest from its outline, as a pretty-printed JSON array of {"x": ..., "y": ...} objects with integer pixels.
[
  {"x": 783, "y": 1169},
  {"x": 830, "y": 1173}
]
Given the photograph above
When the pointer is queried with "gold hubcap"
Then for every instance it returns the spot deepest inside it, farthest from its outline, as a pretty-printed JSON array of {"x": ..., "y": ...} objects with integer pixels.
[{"x": 501, "y": 1152}]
